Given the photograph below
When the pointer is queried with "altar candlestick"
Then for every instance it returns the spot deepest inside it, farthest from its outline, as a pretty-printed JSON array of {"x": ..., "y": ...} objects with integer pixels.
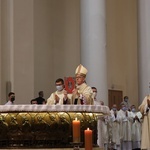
[
  {"x": 76, "y": 130},
  {"x": 88, "y": 139}
]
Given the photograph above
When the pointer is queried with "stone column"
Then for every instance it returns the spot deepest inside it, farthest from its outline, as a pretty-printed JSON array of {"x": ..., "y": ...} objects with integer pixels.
[
  {"x": 0, "y": 50},
  {"x": 144, "y": 48},
  {"x": 93, "y": 45},
  {"x": 7, "y": 48},
  {"x": 17, "y": 50},
  {"x": 93, "y": 49}
]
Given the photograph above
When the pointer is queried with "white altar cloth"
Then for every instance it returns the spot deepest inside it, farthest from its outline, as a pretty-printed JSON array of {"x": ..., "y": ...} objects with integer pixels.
[{"x": 55, "y": 108}]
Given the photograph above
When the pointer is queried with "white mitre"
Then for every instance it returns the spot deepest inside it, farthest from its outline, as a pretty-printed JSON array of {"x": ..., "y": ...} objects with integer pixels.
[{"x": 81, "y": 70}]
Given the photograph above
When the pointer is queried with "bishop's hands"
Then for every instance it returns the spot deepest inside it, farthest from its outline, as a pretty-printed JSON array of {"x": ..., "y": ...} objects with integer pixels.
[
  {"x": 75, "y": 92},
  {"x": 79, "y": 96}
]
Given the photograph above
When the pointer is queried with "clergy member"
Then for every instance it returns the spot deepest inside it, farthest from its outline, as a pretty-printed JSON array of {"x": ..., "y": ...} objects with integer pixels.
[
  {"x": 126, "y": 120},
  {"x": 60, "y": 96},
  {"x": 82, "y": 94},
  {"x": 145, "y": 110},
  {"x": 115, "y": 127},
  {"x": 136, "y": 128},
  {"x": 11, "y": 98}
]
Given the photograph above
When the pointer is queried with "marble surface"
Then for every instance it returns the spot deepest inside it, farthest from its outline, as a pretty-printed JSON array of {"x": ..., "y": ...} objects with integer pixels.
[
  {"x": 55, "y": 108},
  {"x": 8, "y": 110}
]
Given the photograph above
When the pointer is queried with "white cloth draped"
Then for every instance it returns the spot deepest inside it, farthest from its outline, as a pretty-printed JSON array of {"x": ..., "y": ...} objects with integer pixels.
[{"x": 55, "y": 108}]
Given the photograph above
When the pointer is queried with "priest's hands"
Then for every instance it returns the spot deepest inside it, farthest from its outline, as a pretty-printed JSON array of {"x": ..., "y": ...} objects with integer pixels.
[
  {"x": 148, "y": 103},
  {"x": 126, "y": 113},
  {"x": 56, "y": 99},
  {"x": 115, "y": 114}
]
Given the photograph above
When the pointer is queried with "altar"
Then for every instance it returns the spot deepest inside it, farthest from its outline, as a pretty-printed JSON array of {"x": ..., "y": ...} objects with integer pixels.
[{"x": 43, "y": 126}]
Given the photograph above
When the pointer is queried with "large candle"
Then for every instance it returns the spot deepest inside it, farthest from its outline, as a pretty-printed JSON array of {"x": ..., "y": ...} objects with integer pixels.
[
  {"x": 88, "y": 139},
  {"x": 76, "y": 130}
]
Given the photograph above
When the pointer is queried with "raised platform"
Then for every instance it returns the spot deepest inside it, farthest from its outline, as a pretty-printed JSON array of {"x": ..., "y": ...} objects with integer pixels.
[
  {"x": 55, "y": 108},
  {"x": 42, "y": 126}
]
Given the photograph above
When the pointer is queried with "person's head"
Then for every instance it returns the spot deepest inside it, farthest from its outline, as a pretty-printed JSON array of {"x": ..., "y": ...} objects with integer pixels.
[
  {"x": 33, "y": 101},
  {"x": 114, "y": 107},
  {"x": 94, "y": 89},
  {"x": 123, "y": 107},
  {"x": 41, "y": 93},
  {"x": 101, "y": 103},
  {"x": 80, "y": 74},
  {"x": 126, "y": 98},
  {"x": 11, "y": 96},
  {"x": 59, "y": 83},
  {"x": 133, "y": 108}
]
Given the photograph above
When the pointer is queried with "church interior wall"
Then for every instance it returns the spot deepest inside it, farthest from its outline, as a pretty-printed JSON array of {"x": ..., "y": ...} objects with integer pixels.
[
  {"x": 46, "y": 45},
  {"x": 0, "y": 52},
  {"x": 56, "y": 41},
  {"x": 122, "y": 47}
]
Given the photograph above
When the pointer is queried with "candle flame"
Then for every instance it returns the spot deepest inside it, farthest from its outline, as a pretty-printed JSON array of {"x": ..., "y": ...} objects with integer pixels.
[
  {"x": 76, "y": 118},
  {"x": 88, "y": 129}
]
